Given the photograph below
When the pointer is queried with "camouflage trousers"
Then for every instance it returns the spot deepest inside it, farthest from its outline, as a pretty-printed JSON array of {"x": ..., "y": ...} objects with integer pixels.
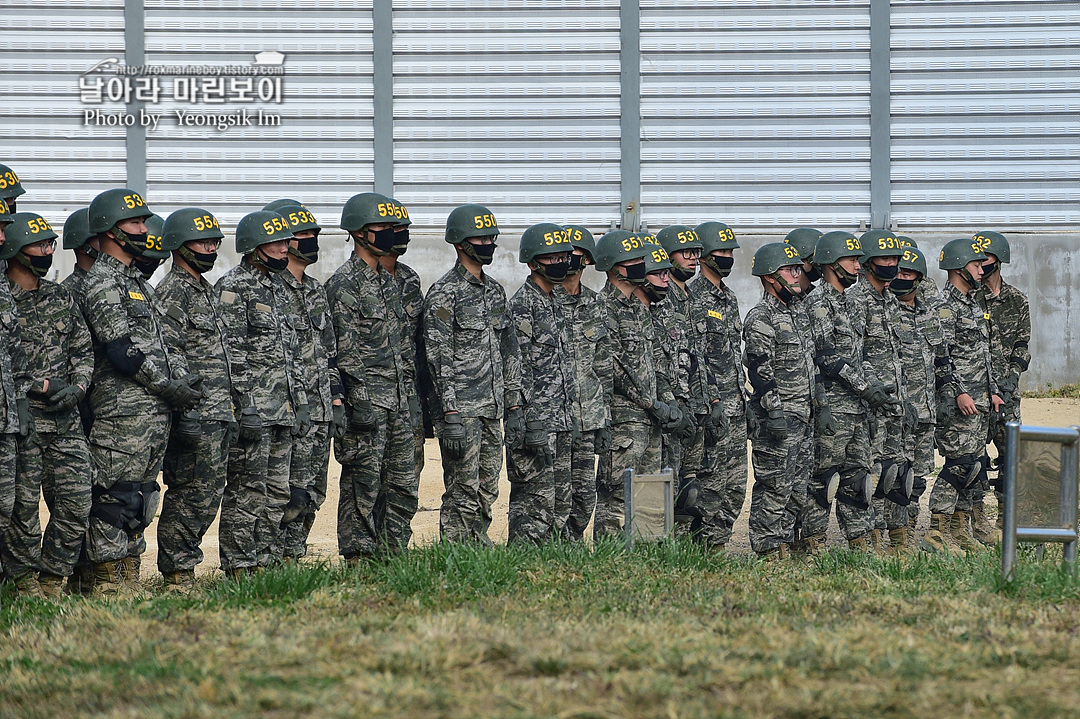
[
  {"x": 958, "y": 436},
  {"x": 540, "y": 496},
  {"x": 471, "y": 484},
  {"x": 1009, "y": 413},
  {"x": 634, "y": 445},
  {"x": 310, "y": 464},
  {"x": 379, "y": 488},
  {"x": 256, "y": 492},
  {"x": 923, "y": 464},
  {"x": 848, "y": 452},
  {"x": 889, "y": 443},
  {"x": 194, "y": 477},
  {"x": 56, "y": 465},
  {"x": 781, "y": 470},
  {"x": 124, "y": 449},
  {"x": 723, "y": 480},
  {"x": 8, "y": 472},
  {"x": 582, "y": 485}
]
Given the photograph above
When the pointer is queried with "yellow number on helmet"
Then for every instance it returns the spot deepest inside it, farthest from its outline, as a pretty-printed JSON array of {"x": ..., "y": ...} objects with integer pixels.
[{"x": 199, "y": 224}]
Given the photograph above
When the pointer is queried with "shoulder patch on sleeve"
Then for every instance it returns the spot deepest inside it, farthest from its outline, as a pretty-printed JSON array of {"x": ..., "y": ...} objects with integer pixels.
[
  {"x": 112, "y": 297},
  {"x": 442, "y": 314},
  {"x": 228, "y": 297},
  {"x": 945, "y": 313}
]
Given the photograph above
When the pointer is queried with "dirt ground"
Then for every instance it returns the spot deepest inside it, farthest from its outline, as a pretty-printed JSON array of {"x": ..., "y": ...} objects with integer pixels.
[{"x": 323, "y": 540}]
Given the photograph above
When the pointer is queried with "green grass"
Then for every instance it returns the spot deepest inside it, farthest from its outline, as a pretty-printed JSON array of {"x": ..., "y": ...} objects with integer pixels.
[
  {"x": 565, "y": 631},
  {"x": 1066, "y": 391}
]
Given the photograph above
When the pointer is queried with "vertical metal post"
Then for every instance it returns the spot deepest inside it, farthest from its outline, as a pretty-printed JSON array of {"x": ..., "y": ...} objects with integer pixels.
[
  {"x": 1008, "y": 522},
  {"x": 1070, "y": 467},
  {"x": 628, "y": 507},
  {"x": 630, "y": 112},
  {"x": 382, "y": 58},
  {"x": 880, "y": 120},
  {"x": 135, "y": 54}
]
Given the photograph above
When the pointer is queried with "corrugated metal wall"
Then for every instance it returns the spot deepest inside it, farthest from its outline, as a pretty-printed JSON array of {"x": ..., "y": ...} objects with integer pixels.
[
  {"x": 45, "y": 47},
  {"x": 322, "y": 152},
  {"x": 755, "y": 114},
  {"x": 509, "y": 103},
  {"x": 985, "y": 114}
]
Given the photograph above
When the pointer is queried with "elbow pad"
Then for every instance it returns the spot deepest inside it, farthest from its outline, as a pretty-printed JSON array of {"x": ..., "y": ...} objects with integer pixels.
[{"x": 125, "y": 357}]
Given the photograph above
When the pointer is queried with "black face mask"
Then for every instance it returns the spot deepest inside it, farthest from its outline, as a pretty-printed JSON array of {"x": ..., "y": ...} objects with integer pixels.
[
  {"x": 11, "y": 206},
  {"x": 655, "y": 293},
  {"x": 307, "y": 249},
  {"x": 134, "y": 245},
  {"x": 481, "y": 253},
  {"x": 38, "y": 264},
  {"x": 846, "y": 278},
  {"x": 401, "y": 242},
  {"x": 635, "y": 274},
  {"x": 555, "y": 272},
  {"x": 813, "y": 274},
  {"x": 901, "y": 288},
  {"x": 720, "y": 265},
  {"x": 682, "y": 275},
  {"x": 575, "y": 265},
  {"x": 200, "y": 261},
  {"x": 146, "y": 266},
  {"x": 271, "y": 263},
  {"x": 381, "y": 242},
  {"x": 883, "y": 272},
  {"x": 990, "y": 268}
]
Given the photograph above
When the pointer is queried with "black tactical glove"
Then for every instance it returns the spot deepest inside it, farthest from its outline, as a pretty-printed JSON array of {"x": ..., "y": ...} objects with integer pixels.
[
  {"x": 188, "y": 428},
  {"x": 515, "y": 428},
  {"x": 251, "y": 425},
  {"x": 602, "y": 443},
  {"x": 337, "y": 421},
  {"x": 878, "y": 396},
  {"x": 362, "y": 416},
  {"x": 686, "y": 499},
  {"x": 416, "y": 417},
  {"x": 826, "y": 425},
  {"x": 299, "y": 500},
  {"x": 302, "y": 425},
  {"x": 911, "y": 417},
  {"x": 63, "y": 396},
  {"x": 776, "y": 424},
  {"x": 536, "y": 441},
  {"x": 687, "y": 427},
  {"x": 232, "y": 433},
  {"x": 26, "y": 422},
  {"x": 668, "y": 415},
  {"x": 452, "y": 437},
  {"x": 182, "y": 393}
]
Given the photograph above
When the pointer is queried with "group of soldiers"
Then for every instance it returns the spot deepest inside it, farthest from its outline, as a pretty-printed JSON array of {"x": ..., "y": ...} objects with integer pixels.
[{"x": 235, "y": 392}]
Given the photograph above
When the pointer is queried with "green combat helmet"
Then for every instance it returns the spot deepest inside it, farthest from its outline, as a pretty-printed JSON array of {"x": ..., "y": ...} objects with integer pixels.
[
  {"x": 401, "y": 228},
  {"x": 77, "y": 229},
  {"x": 582, "y": 239},
  {"x": 370, "y": 208},
  {"x": 907, "y": 241},
  {"x": 300, "y": 220},
  {"x": 834, "y": 246},
  {"x": 192, "y": 224},
  {"x": 772, "y": 256},
  {"x": 619, "y": 246},
  {"x": 993, "y": 243},
  {"x": 679, "y": 237},
  {"x": 716, "y": 236},
  {"x": 956, "y": 254},
  {"x": 401, "y": 214},
  {"x": 283, "y": 202},
  {"x": 914, "y": 260},
  {"x": 114, "y": 206},
  {"x": 656, "y": 261},
  {"x": 27, "y": 228},
  {"x": 153, "y": 255},
  {"x": 804, "y": 239},
  {"x": 546, "y": 238},
  {"x": 880, "y": 243},
  {"x": 470, "y": 221},
  {"x": 260, "y": 228},
  {"x": 10, "y": 187},
  {"x": 5, "y": 214}
]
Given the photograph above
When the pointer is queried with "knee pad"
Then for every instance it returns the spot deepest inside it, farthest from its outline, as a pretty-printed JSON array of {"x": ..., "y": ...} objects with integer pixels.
[
  {"x": 823, "y": 487},
  {"x": 961, "y": 472},
  {"x": 901, "y": 483},
  {"x": 858, "y": 489}
]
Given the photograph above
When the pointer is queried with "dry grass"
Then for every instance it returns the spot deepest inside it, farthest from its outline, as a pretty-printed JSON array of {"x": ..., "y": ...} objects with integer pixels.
[
  {"x": 1065, "y": 391},
  {"x": 667, "y": 631}
]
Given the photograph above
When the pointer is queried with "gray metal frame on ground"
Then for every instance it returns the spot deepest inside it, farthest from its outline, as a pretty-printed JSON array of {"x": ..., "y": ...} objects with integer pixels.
[
  {"x": 667, "y": 477},
  {"x": 1069, "y": 438}
]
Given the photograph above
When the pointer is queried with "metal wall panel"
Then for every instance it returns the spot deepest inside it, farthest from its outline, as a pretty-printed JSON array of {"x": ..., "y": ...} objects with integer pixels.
[
  {"x": 321, "y": 153},
  {"x": 46, "y": 46},
  {"x": 756, "y": 114},
  {"x": 985, "y": 114},
  {"x": 509, "y": 103}
]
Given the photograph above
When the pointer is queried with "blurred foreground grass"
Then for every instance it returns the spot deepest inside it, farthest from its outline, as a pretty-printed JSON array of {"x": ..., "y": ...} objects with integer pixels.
[{"x": 565, "y": 631}]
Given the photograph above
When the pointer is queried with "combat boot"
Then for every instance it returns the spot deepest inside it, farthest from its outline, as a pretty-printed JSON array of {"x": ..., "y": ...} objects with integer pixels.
[
  {"x": 52, "y": 586},
  {"x": 815, "y": 544},
  {"x": 181, "y": 582},
  {"x": 877, "y": 539},
  {"x": 108, "y": 580},
  {"x": 132, "y": 569},
  {"x": 962, "y": 533},
  {"x": 898, "y": 542},
  {"x": 859, "y": 544},
  {"x": 939, "y": 537},
  {"x": 26, "y": 585},
  {"x": 81, "y": 581},
  {"x": 981, "y": 527}
]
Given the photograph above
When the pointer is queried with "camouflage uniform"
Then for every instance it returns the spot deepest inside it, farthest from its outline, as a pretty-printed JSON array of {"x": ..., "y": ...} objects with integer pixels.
[
  {"x": 267, "y": 375},
  {"x": 54, "y": 460},
  {"x": 131, "y": 420},
  {"x": 874, "y": 318},
  {"x": 1010, "y": 333},
  {"x": 967, "y": 340},
  {"x": 540, "y": 496},
  {"x": 927, "y": 369},
  {"x": 195, "y": 474},
  {"x": 412, "y": 299},
  {"x": 475, "y": 366},
  {"x": 379, "y": 485},
  {"x": 838, "y": 351},
  {"x": 724, "y": 472},
  {"x": 591, "y": 356},
  {"x": 780, "y": 362},
  {"x": 635, "y": 436},
  {"x": 310, "y": 310}
]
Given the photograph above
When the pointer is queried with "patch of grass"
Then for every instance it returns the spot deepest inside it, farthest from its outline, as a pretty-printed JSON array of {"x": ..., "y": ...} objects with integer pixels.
[{"x": 1065, "y": 391}]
